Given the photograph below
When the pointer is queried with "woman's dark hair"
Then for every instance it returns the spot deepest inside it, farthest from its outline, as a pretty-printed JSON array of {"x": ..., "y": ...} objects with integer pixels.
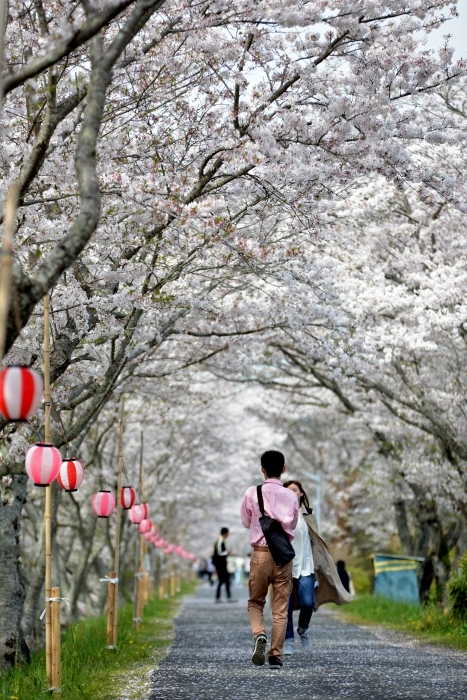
[{"x": 303, "y": 498}]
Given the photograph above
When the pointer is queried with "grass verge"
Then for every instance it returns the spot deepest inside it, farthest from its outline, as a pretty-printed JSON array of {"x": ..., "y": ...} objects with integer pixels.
[
  {"x": 427, "y": 623},
  {"x": 89, "y": 670}
]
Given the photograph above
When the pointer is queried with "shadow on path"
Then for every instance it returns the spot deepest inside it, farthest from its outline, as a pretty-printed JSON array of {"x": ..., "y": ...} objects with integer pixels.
[{"x": 210, "y": 660}]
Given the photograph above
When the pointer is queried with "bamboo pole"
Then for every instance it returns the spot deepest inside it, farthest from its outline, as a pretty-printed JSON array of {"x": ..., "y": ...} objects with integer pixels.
[
  {"x": 7, "y": 260},
  {"x": 2, "y": 41},
  {"x": 48, "y": 499},
  {"x": 112, "y": 633},
  {"x": 137, "y": 608},
  {"x": 56, "y": 642}
]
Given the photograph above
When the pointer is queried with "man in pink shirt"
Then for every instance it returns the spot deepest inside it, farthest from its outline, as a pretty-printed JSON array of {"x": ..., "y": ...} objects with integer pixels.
[{"x": 282, "y": 505}]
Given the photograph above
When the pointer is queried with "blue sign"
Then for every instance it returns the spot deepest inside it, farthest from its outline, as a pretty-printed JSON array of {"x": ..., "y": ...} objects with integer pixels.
[{"x": 396, "y": 577}]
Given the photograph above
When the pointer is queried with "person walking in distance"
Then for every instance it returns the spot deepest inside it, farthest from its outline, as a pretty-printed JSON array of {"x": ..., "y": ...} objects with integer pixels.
[
  {"x": 219, "y": 559},
  {"x": 303, "y": 570},
  {"x": 282, "y": 505}
]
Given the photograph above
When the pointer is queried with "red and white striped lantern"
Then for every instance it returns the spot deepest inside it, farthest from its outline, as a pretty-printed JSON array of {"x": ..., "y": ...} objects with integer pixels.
[
  {"x": 144, "y": 526},
  {"x": 103, "y": 503},
  {"x": 127, "y": 497},
  {"x": 21, "y": 392},
  {"x": 71, "y": 474},
  {"x": 43, "y": 463}
]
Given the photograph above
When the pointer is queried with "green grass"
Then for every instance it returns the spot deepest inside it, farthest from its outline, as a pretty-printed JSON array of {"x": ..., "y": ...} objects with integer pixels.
[
  {"x": 92, "y": 672},
  {"x": 427, "y": 623}
]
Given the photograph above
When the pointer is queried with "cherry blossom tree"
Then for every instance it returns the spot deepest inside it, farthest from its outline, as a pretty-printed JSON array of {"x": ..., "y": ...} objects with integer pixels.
[{"x": 178, "y": 165}]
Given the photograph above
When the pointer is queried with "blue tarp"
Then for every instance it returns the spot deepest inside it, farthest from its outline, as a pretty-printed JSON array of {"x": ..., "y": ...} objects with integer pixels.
[{"x": 396, "y": 577}]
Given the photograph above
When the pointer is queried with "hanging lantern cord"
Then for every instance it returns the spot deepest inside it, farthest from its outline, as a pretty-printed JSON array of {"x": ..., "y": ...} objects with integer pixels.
[
  {"x": 125, "y": 472},
  {"x": 69, "y": 445}
]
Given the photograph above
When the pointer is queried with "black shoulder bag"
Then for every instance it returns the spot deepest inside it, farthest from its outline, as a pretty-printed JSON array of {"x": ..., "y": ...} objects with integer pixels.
[{"x": 279, "y": 544}]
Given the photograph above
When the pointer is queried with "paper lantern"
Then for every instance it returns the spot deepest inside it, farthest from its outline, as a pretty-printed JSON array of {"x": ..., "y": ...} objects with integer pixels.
[
  {"x": 43, "y": 463},
  {"x": 127, "y": 497},
  {"x": 21, "y": 392},
  {"x": 71, "y": 475},
  {"x": 144, "y": 526},
  {"x": 147, "y": 536},
  {"x": 136, "y": 514},
  {"x": 103, "y": 504}
]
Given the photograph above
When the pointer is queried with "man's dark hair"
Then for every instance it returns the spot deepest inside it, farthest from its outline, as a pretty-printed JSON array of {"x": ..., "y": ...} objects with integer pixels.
[
  {"x": 273, "y": 462},
  {"x": 224, "y": 530}
]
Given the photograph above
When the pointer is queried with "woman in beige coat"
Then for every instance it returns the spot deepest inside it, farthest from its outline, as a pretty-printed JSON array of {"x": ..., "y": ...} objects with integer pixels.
[{"x": 315, "y": 577}]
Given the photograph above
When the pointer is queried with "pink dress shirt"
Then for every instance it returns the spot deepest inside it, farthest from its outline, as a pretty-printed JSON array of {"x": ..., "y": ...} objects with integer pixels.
[{"x": 279, "y": 503}]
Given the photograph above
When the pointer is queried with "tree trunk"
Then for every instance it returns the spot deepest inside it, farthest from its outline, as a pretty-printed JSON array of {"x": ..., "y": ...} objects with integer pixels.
[
  {"x": 34, "y": 628},
  {"x": 12, "y": 498},
  {"x": 81, "y": 570},
  {"x": 403, "y": 529}
]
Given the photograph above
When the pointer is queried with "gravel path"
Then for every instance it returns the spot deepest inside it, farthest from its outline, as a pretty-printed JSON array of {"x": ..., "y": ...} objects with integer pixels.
[{"x": 210, "y": 660}]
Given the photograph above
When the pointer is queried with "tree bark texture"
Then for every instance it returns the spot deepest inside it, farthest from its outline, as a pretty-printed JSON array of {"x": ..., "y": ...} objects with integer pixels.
[{"x": 12, "y": 498}]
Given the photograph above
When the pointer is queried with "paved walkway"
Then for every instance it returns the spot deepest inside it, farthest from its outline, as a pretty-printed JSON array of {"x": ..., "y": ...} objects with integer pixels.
[{"x": 210, "y": 660}]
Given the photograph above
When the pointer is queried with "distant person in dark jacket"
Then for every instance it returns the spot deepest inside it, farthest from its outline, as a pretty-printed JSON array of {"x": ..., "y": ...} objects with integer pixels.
[
  {"x": 219, "y": 559},
  {"x": 343, "y": 575}
]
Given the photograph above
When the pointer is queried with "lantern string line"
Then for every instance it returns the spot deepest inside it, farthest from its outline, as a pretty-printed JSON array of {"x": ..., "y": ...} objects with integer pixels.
[
  {"x": 55, "y": 600},
  {"x": 106, "y": 579},
  {"x": 69, "y": 445}
]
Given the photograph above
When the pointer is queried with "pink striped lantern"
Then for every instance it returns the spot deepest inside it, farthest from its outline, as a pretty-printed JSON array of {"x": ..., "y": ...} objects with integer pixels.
[
  {"x": 127, "y": 497},
  {"x": 154, "y": 529},
  {"x": 21, "y": 392},
  {"x": 144, "y": 526},
  {"x": 71, "y": 475},
  {"x": 103, "y": 503},
  {"x": 136, "y": 514},
  {"x": 167, "y": 550},
  {"x": 43, "y": 463},
  {"x": 145, "y": 508},
  {"x": 147, "y": 536}
]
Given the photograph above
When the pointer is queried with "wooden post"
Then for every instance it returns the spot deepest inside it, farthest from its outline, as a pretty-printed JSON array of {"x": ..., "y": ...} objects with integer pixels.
[
  {"x": 56, "y": 642},
  {"x": 172, "y": 575},
  {"x": 112, "y": 629},
  {"x": 111, "y": 607},
  {"x": 48, "y": 499},
  {"x": 7, "y": 253}
]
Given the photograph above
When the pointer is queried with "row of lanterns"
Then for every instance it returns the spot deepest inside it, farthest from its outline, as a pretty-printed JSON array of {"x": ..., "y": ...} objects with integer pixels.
[
  {"x": 21, "y": 393},
  {"x": 139, "y": 515}
]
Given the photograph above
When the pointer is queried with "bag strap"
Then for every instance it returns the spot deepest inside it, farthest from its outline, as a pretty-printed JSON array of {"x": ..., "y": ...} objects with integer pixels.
[{"x": 259, "y": 492}]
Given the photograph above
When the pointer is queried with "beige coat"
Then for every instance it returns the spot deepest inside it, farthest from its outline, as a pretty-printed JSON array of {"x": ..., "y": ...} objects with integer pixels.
[{"x": 330, "y": 589}]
